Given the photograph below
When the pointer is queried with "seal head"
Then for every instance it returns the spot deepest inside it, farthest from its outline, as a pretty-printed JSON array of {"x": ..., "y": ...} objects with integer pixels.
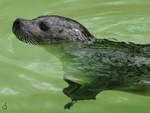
[{"x": 50, "y": 29}]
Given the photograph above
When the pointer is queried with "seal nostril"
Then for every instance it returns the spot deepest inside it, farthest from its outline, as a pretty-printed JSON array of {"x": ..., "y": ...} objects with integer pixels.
[
  {"x": 17, "y": 22},
  {"x": 17, "y": 25}
]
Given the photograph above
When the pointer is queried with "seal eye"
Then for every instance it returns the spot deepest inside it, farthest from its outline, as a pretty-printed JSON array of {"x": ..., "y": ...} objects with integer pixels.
[{"x": 43, "y": 26}]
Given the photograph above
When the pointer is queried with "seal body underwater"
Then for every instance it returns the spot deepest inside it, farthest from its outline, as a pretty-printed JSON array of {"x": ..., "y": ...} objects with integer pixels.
[{"x": 97, "y": 64}]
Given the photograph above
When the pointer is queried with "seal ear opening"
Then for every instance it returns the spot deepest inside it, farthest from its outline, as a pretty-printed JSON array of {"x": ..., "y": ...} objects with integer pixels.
[{"x": 60, "y": 30}]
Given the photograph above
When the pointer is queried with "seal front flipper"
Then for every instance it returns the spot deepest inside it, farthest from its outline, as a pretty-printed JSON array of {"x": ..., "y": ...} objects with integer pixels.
[
  {"x": 78, "y": 91},
  {"x": 71, "y": 88},
  {"x": 70, "y": 104}
]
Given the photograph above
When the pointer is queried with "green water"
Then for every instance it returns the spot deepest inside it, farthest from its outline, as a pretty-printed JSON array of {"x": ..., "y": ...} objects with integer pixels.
[{"x": 31, "y": 79}]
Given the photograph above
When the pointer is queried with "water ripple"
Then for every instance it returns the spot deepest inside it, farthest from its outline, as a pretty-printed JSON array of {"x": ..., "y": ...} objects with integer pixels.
[
  {"x": 8, "y": 91},
  {"x": 46, "y": 86}
]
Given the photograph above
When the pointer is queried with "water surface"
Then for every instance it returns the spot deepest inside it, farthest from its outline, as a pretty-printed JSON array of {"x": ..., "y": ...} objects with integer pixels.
[{"x": 31, "y": 78}]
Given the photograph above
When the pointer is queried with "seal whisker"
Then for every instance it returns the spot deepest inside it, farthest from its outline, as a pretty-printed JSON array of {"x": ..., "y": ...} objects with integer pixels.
[{"x": 32, "y": 41}]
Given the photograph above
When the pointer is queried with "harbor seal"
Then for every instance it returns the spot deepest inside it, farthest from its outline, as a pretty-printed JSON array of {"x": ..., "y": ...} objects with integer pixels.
[{"x": 92, "y": 65}]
